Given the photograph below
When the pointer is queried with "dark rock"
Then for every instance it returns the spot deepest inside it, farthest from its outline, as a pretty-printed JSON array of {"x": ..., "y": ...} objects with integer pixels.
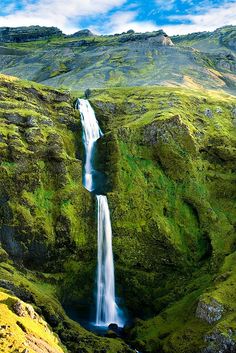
[
  {"x": 210, "y": 312},
  {"x": 83, "y": 33},
  {"x": 14, "y": 118},
  {"x": 113, "y": 327},
  {"x": 87, "y": 93},
  {"x": 8, "y": 237},
  {"x": 47, "y": 121},
  {"x": 62, "y": 97},
  {"x": 158, "y": 37},
  {"x": 31, "y": 122},
  {"x": 53, "y": 320},
  {"x": 26, "y": 34},
  {"x": 19, "y": 292},
  {"x": 220, "y": 342},
  {"x": 106, "y": 107},
  {"x": 208, "y": 113}
]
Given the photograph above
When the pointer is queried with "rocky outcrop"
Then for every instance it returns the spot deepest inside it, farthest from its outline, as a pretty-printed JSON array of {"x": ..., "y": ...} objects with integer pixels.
[
  {"x": 223, "y": 36},
  {"x": 175, "y": 133},
  {"x": 209, "y": 311},
  {"x": 83, "y": 33},
  {"x": 219, "y": 342},
  {"x": 158, "y": 37},
  {"x": 23, "y": 330},
  {"x": 27, "y": 34}
]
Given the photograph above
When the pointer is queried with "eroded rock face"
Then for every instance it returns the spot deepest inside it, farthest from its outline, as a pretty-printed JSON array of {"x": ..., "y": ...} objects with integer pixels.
[
  {"x": 173, "y": 144},
  {"x": 18, "y": 291},
  {"x": 35, "y": 130},
  {"x": 26, "y": 34},
  {"x": 219, "y": 342},
  {"x": 209, "y": 311},
  {"x": 158, "y": 37},
  {"x": 83, "y": 33}
]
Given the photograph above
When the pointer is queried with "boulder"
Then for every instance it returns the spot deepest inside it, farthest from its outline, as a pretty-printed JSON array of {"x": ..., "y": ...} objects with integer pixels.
[
  {"x": 19, "y": 309},
  {"x": 209, "y": 311},
  {"x": 83, "y": 33},
  {"x": 208, "y": 113},
  {"x": 113, "y": 327}
]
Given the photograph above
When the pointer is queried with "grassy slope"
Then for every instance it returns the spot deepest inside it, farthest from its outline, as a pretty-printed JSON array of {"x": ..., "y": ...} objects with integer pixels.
[{"x": 28, "y": 331}]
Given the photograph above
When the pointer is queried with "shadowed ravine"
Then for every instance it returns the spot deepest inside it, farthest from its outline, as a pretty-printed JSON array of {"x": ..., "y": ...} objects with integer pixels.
[{"x": 107, "y": 310}]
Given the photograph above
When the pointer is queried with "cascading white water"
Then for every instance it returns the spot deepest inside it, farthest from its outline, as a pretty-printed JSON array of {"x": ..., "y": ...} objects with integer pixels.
[
  {"x": 107, "y": 311},
  {"x": 91, "y": 133}
]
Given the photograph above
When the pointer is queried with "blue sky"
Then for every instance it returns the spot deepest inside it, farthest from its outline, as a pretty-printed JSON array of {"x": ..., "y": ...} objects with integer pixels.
[{"x": 115, "y": 16}]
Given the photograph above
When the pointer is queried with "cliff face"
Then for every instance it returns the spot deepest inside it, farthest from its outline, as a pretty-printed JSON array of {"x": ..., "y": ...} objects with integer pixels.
[
  {"x": 169, "y": 155},
  {"x": 47, "y": 230},
  {"x": 27, "y": 34},
  {"x": 221, "y": 39}
]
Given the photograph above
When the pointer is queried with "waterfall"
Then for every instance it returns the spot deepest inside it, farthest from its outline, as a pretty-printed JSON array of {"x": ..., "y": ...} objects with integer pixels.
[
  {"x": 107, "y": 311},
  {"x": 91, "y": 133}
]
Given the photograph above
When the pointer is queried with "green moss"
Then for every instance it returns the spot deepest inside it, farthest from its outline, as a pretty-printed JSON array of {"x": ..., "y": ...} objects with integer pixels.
[{"x": 169, "y": 164}]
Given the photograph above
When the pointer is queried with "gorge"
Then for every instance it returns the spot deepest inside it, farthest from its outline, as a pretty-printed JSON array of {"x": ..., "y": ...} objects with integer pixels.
[
  {"x": 141, "y": 168},
  {"x": 107, "y": 311}
]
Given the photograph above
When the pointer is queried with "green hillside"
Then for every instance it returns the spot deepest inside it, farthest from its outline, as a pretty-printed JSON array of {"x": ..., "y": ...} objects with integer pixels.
[{"x": 169, "y": 157}]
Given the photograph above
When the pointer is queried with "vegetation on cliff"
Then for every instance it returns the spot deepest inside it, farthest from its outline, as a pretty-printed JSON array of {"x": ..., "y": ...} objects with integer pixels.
[
  {"x": 171, "y": 160},
  {"x": 46, "y": 216},
  {"x": 169, "y": 155}
]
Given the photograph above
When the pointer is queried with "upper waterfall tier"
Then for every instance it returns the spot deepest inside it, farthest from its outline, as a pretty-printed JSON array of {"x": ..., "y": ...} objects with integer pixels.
[
  {"x": 91, "y": 129},
  {"x": 91, "y": 133}
]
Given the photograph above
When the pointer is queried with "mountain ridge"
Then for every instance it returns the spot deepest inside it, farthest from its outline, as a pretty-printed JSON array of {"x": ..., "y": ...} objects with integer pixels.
[{"x": 83, "y": 60}]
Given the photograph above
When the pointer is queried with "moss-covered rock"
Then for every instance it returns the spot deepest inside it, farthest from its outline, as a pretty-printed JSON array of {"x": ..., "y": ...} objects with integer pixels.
[
  {"x": 170, "y": 183},
  {"x": 46, "y": 216},
  {"x": 172, "y": 208}
]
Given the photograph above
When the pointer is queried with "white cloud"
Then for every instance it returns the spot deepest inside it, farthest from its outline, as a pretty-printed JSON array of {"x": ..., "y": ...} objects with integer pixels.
[
  {"x": 165, "y": 5},
  {"x": 122, "y": 21},
  {"x": 207, "y": 21},
  {"x": 67, "y": 15},
  {"x": 61, "y": 13}
]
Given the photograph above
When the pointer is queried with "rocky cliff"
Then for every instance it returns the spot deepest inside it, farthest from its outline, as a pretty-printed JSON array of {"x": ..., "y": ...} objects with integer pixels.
[
  {"x": 47, "y": 231},
  {"x": 169, "y": 156},
  {"x": 27, "y": 34}
]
